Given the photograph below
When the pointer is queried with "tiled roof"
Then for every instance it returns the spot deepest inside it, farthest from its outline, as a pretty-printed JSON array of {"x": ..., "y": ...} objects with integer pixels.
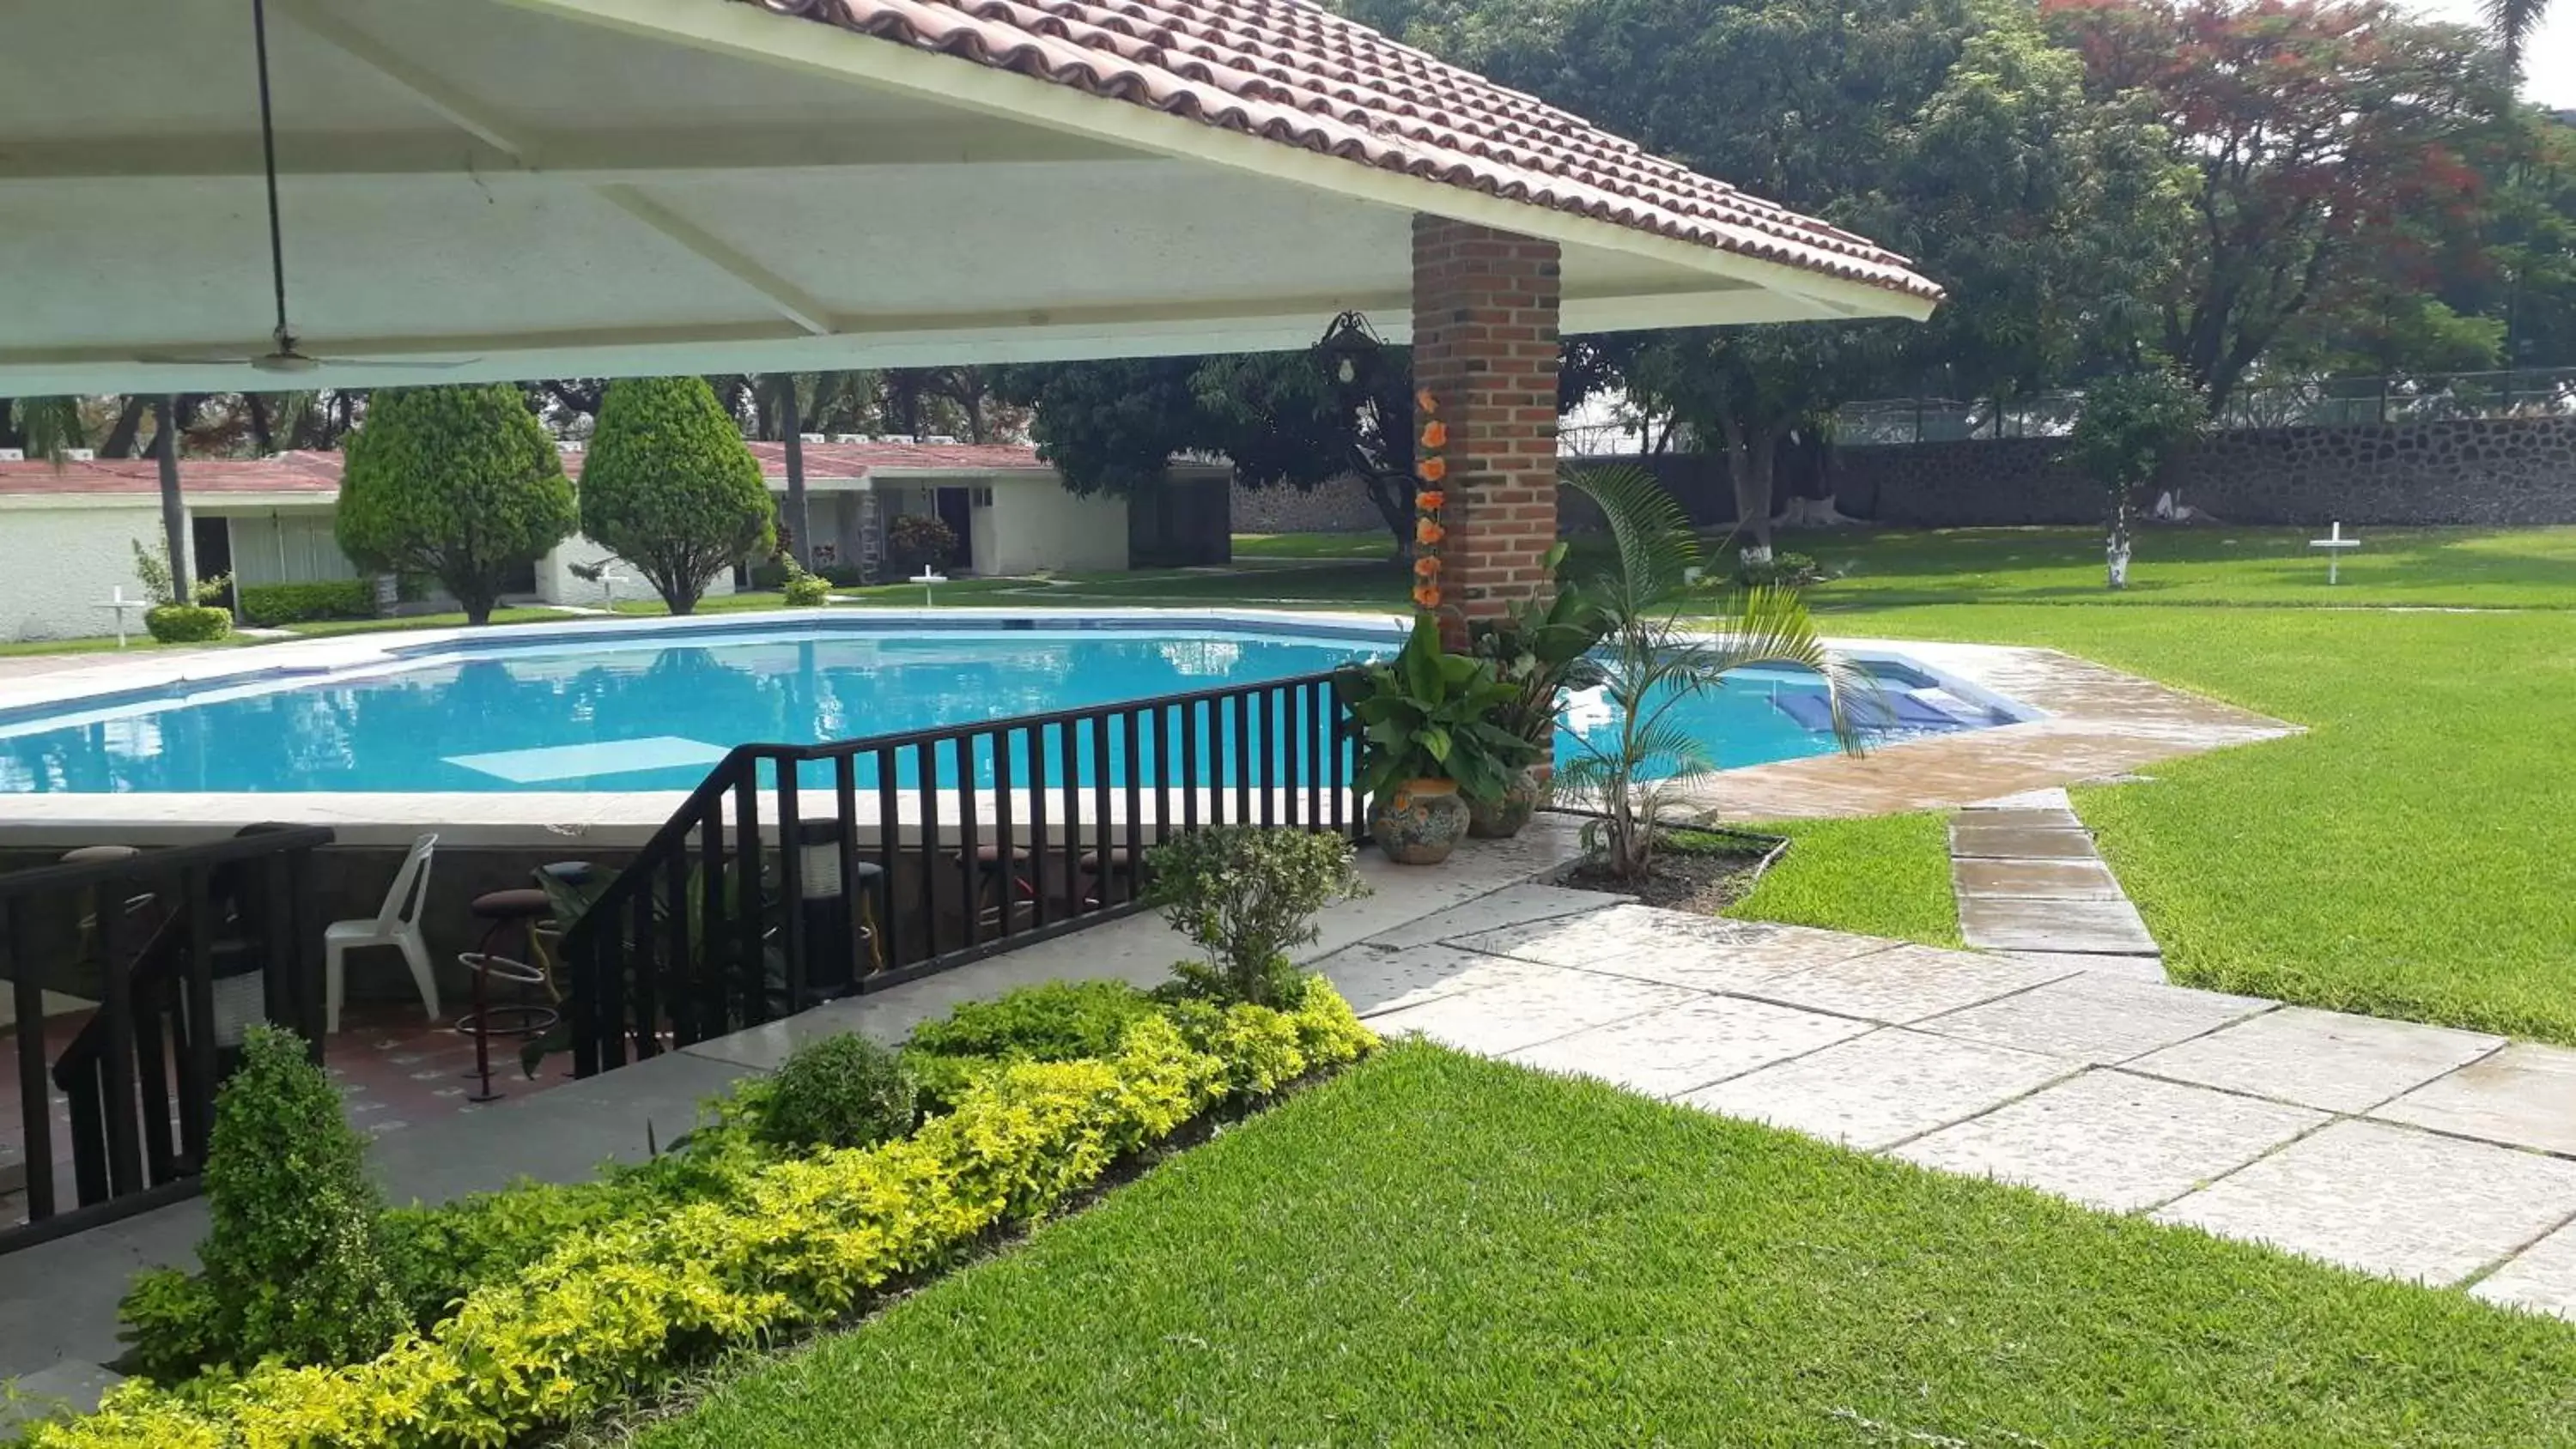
[
  {"x": 319, "y": 471},
  {"x": 1292, "y": 72}
]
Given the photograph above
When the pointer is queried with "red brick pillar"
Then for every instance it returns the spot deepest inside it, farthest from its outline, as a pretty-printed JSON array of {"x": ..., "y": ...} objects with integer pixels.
[{"x": 1485, "y": 349}]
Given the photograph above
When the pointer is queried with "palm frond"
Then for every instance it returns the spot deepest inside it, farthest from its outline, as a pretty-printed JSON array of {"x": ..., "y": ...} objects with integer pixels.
[
  {"x": 1761, "y": 626},
  {"x": 2512, "y": 22},
  {"x": 1650, "y": 534}
]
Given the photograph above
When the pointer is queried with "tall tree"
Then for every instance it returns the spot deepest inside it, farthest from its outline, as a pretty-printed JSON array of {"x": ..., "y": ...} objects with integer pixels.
[
  {"x": 670, "y": 488},
  {"x": 2330, "y": 139},
  {"x": 459, "y": 483}
]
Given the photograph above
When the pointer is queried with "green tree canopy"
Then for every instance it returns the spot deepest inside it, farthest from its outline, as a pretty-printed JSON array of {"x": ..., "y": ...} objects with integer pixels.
[
  {"x": 669, "y": 487},
  {"x": 459, "y": 483}
]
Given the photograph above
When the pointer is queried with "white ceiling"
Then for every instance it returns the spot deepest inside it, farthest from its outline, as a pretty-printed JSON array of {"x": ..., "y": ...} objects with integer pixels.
[{"x": 551, "y": 187}]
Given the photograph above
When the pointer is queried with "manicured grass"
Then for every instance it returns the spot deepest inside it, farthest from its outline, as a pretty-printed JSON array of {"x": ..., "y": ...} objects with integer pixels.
[
  {"x": 103, "y": 644},
  {"x": 322, "y": 628},
  {"x": 1439, "y": 1250},
  {"x": 1883, "y": 876},
  {"x": 1372, "y": 544},
  {"x": 2450, "y": 567},
  {"x": 2413, "y": 854}
]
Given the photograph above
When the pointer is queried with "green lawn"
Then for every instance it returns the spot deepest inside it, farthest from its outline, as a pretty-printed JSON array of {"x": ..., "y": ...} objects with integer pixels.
[
  {"x": 1373, "y": 544},
  {"x": 324, "y": 628},
  {"x": 1886, "y": 875},
  {"x": 1439, "y": 1250}
]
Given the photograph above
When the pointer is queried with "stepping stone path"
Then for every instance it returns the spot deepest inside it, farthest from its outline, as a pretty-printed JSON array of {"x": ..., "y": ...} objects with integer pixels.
[
  {"x": 2030, "y": 883},
  {"x": 2410, "y": 1151}
]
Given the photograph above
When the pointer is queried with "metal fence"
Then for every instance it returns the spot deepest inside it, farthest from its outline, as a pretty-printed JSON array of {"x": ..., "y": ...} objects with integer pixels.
[
  {"x": 2322, "y": 402},
  {"x": 181, "y": 949},
  {"x": 797, "y": 873}
]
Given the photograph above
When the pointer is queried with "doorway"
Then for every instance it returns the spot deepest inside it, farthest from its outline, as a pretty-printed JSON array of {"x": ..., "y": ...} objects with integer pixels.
[
  {"x": 210, "y": 543},
  {"x": 957, "y": 510}
]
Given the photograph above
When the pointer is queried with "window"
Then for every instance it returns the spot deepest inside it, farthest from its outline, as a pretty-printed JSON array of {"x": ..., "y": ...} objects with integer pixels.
[{"x": 984, "y": 497}]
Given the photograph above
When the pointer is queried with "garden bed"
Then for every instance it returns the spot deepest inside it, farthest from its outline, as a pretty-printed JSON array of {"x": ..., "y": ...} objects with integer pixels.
[{"x": 1704, "y": 871}]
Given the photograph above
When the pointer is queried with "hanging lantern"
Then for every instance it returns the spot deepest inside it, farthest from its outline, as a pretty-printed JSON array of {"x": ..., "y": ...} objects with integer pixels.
[{"x": 1348, "y": 351}]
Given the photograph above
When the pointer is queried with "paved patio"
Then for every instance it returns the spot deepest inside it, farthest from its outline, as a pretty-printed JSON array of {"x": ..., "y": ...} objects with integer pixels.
[{"x": 2409, "y": 1151}]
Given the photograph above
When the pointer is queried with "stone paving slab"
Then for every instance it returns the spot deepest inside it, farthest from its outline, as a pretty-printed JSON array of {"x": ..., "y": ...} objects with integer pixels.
[
  {"x": 2097, "y": 1017},
  {"x": 2052, "y": 879},
  {"x": 1515, "y": 905},
  {"x": 2019, "y": 817},
  {"x": 1667, "y": 1052},
  {"x": 1746, "y": 966},
  {"x": 2134, "y": 967},
  {"x": 2017, "y": 923},
  {"x": 2020, "y": 842},
  {"x": 2317, "y": 1058},
  {"x": 1376, "y": 981},
  {"x": 2389, "y": 1200},
  {"x": 1905, "y": 984},
  {"x": 2114, "y": 1141},
  {"x": 1880, "y": 1089},
  {"x": 1500, "y": 1020},
  {"x": 2524, "y": 1095},
  {"x": 2542, "y": 1279},
  {"x": 1629, "y": 931}
]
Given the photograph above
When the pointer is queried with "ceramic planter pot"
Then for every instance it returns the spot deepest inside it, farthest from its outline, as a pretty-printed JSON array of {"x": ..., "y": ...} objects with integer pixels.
[
  {"x": 1502, "y": 819},
  {"x": 1418, "y": 822}
]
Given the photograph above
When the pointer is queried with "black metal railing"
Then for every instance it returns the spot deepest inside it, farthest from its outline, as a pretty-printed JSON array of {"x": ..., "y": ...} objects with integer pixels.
[
  {"x": 180, "y": 950},
  {"x": 797, "y": 873}
]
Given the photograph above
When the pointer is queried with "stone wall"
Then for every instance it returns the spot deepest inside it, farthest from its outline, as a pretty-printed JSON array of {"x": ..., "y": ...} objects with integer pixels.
[
  {"x": 1339, "y": 506},
  {"x": 2494, "y": 471}
]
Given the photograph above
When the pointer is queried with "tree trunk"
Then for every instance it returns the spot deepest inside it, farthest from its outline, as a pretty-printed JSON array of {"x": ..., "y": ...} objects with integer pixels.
[
  {"x": 174, "y": 509},
  {"x": 129, "y": 426},
  {"x": 1748, "y": 465},
  {"x": 800, "y": 538},
  {"x": 1394, "y": 503}
]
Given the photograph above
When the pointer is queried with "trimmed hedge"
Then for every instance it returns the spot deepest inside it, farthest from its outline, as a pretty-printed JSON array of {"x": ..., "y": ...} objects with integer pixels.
[
  {"x": 187, "y": 623},
  {"x": 622, "y": 1310},
  {"x": 269, "y": 605}
]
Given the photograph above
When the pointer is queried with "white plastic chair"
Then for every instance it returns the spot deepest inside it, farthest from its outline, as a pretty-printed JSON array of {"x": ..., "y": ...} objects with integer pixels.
[{"x": 396, "y": 925}]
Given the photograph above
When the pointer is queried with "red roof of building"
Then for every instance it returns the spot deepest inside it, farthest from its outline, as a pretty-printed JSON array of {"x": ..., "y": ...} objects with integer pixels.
[
  {"x": 1292, "y": 72},
  {"x": 319, "y": 471}
]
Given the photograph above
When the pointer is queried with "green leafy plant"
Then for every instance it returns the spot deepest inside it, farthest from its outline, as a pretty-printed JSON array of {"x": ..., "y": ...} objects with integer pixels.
[
  {"x": 1059, "y": 1021},
  {"x": 1541, "y": 648},
  {"x": 269, "y": 605},
  {"x": 804, "y": 590},
  {"x": 917, "y": 541},
  {"x": 1782, "y": 570},
  {"x": 841, "y": 1091},
  {"x": 627, "y": 1306},
  {"x": 187, "y": 623},
  {"x": 1652, "y": 665},
  {"x": 2129, "y": 427},
  {"x": 459, "y": 483},
  {"x": 669, "y": 487},
  {"x": 1246, "y": 896},
  {"x": 1429, "y": 714},
  {"x": 152, "y": 570},
  {"x": 293, "y": 1270}
]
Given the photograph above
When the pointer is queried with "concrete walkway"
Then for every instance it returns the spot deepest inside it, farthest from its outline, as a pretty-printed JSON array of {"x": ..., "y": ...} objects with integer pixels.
[
  {"x": 2410, "y": 1151},
  {"x": 2030, "y": 882}
]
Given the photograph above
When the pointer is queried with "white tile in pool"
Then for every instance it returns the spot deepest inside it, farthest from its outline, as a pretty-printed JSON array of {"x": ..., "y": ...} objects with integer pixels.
[{"x": 606, "y": 757}]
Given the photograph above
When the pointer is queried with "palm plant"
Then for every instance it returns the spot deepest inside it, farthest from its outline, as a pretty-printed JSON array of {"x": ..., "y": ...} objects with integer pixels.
[
  {"x": 1652, "y": 663},
  {"x": 2512, "y": 22}
]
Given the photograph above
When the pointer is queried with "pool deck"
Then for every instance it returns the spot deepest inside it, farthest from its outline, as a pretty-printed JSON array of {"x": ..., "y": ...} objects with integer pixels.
[{"x": 2093, "y": 722}]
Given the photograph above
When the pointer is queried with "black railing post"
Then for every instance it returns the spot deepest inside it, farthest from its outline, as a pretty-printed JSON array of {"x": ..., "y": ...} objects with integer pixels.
[
  {"x": 35, "y": 1091},
  {"x": 793, "y": 940}
]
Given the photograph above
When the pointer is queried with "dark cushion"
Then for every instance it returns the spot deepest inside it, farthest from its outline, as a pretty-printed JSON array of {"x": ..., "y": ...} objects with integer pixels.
[{"x": 513, "y": 905}]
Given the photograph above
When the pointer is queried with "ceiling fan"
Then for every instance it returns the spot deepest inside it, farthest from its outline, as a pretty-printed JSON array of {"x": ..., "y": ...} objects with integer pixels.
[{"x": 285, "y": 358}]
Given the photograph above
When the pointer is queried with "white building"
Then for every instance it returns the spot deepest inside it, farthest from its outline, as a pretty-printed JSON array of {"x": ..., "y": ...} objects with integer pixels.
[{"x": 67, "y": 535}]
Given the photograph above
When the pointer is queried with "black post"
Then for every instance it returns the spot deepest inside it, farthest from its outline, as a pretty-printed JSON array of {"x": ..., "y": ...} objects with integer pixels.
[
  {"x": 174, "y": 510},
  {"x": 800, "y": 538}
]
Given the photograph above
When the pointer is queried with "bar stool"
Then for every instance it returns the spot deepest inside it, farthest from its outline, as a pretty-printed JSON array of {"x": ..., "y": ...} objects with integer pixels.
[
  {"x": 506, "y": 910},
  {"x": 991, "y": 866},
  {"x": 1119, "y": 867}
]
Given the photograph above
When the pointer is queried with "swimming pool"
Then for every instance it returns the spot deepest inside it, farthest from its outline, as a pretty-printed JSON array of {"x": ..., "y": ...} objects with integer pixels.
[{"x": 650, "y": 707}]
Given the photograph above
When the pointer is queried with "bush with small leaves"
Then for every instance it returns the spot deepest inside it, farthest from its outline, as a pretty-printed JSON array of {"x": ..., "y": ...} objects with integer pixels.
[
  {"x": 1247, "y": 896},
  {"x": 917, "y": 541},
  {"x": 187, "y": 623},
  {"x": 1061, "y": 1021},
  {"x": 804, "y": 590},
  {"x": 841, "y": 1091}
]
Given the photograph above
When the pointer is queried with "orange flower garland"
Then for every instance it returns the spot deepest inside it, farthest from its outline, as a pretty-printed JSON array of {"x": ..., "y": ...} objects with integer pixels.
[{"x": 1428, "y": 531}]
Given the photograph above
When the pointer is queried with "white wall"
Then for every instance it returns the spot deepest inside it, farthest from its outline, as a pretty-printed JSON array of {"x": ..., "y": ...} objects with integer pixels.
[
  {"x": 58, "y": 563},
  {"x": 1035, "y": 523},
  {"x": 557, "y": 585}
]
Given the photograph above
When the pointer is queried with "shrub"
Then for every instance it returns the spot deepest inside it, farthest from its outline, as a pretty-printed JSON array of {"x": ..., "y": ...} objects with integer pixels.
[
  {"x": 1782, "y": 570},
  {"x": 670, "y": 488},
  {"x": 626, "y": 1307},
  {"x": 1058, "y": 1022},
  {"x": 804, "y": 590},
  {"x": 842, "y": 1091},
  {"x": 152, "y": 570},
  {"x": 273, "y": 604},
  {"x": 916, "y": 541},
  {"x": 459, "y": 483},
  {"x": 1246, "y": 896},
  {"x": 187, "y": 623},
  {"x": 292, "y": 1266},
  {"x": 2130, "y": 426}
]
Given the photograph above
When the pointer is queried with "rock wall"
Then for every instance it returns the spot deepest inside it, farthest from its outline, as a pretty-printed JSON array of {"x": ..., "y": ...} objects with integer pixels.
[
  {"x": 2494, "y": 471},
  {"x": 1340, "y": 506}
]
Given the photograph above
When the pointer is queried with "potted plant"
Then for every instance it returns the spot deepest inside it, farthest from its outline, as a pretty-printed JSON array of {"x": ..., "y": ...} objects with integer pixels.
[
  {"x": 1541, "y": 648},
  {"x": 1430, "y": 742}
]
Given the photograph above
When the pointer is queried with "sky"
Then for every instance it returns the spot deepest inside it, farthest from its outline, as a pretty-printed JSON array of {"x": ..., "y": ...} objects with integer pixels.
[{"x": 2548, "y": 68}]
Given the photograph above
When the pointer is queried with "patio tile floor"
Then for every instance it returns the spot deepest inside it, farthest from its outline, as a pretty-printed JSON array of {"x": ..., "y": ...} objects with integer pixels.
[
  {"x": 1878, "y": 1090},
  {"x": 2097, "y": 1017},
  {"x": 1692, "y": 1045},
  {"x": 2523, "y": 1096},
  {"x": 2326, "y": 1059}
]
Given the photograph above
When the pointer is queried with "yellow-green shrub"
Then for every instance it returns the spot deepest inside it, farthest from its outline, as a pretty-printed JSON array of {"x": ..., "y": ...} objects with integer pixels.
[{"x": 619, "y": 1311}]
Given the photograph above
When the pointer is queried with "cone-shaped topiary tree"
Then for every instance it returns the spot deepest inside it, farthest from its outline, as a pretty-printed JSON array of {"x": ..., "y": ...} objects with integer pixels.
[
  {"x": 460, "y": 483},
  {"x": 670, "y": 488}
]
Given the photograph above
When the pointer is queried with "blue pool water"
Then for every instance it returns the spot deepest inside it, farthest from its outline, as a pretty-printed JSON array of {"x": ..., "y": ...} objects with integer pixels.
[{"x": 640, "y": 711}]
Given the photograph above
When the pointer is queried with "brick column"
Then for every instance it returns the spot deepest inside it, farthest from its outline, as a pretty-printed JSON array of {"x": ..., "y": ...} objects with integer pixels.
[{"x": 1485, "y": 348}]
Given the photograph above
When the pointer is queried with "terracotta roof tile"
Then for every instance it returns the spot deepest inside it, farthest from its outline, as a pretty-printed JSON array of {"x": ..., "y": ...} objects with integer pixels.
[
  {"x": 319, "y": 471},
  {"x": 1291, "y": 72}
]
